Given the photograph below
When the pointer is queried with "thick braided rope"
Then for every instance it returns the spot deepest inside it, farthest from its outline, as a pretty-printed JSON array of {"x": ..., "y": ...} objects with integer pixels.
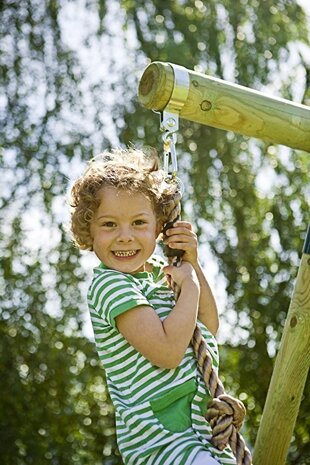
[{"x": 225, "y": 413}]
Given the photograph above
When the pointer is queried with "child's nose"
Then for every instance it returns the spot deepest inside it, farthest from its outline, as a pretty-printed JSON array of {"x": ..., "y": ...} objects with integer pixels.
[{"x": 125, "y": 234}]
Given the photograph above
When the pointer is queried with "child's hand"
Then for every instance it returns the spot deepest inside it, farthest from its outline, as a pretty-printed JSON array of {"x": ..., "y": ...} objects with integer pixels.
[
  {"x": 181, "y": 274},
  {"x": 181, "y": 236}
]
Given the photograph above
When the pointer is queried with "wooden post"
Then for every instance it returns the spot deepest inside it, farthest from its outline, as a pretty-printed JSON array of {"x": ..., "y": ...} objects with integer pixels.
[
  {"x": 235, "y": 108},
  {"x": 289, "y": 374},
  {"x": 228, "y": 106}
]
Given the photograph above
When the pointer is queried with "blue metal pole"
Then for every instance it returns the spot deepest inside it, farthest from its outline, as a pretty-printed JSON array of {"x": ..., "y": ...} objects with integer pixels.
[{"x": 307, "y": 242}]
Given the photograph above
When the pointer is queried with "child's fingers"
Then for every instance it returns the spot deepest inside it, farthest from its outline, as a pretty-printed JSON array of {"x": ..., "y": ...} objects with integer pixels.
[
  {"x": 180, "y": 230},
  {"x": 180, "y": 245},
  {"x": 181, "y": 238},
  {"x": 169, "y": 280},
  {"x": 186, "y": 238},
  {"x": 182, "y": 224},
  {"x": 168, "y": 270}
]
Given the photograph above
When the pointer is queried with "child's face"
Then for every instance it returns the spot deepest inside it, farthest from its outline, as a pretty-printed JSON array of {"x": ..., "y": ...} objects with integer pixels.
[{"x": 124, "y": 230}]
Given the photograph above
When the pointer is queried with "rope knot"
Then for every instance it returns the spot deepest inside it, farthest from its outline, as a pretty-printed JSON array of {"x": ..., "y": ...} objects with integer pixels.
[{"x": 225, "y": 415}]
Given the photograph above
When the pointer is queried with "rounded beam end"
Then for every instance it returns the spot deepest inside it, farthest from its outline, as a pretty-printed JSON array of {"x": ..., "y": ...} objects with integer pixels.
[{"x": 156, "y": 85}]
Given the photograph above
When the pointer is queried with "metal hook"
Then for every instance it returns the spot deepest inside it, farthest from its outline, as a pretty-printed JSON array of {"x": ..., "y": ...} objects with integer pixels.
[
  {"x": 170, "y": 158},
  {"x": 169, "y": 119}
]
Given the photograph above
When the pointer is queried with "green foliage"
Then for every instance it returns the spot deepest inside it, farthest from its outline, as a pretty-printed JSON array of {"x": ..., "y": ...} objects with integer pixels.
[
  {"x": 55, "y": 110},
  {"x": 54, "y": 401},
  {"x": 254, "y": 229}
]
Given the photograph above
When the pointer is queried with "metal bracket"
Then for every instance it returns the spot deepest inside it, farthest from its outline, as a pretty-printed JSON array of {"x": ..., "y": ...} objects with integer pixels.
[
  {"x": 169, "y": 121},
  {"x": 180, "y": 89},
  {"x": 169, "y": 118}
]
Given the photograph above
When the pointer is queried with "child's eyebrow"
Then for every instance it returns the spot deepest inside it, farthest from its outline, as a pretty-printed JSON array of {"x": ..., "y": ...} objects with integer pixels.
[
  {"x": 105, "y": 216},
  {"x": 134, "y": 216},
  {"x": 142, "y": 214}
]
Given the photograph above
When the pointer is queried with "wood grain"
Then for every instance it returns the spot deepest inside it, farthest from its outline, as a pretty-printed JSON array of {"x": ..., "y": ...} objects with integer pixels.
[
  {"x": 220, "y": 104},
  {"x": 288, "y": 378}
]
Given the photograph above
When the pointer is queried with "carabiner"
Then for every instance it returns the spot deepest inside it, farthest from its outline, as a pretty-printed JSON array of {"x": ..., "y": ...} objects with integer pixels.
[{"x": 170, "y": 158}]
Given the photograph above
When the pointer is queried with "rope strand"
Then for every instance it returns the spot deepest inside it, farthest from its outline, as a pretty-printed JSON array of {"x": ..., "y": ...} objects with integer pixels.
[{"x": 225, "y": 413}]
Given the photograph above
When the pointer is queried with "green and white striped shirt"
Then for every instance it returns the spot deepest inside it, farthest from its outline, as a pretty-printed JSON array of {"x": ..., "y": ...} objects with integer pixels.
[{"x": 159, "y": 412}]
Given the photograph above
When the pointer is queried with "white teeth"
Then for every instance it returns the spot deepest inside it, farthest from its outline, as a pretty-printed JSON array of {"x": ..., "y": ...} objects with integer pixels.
[{"x": 125, "y": 253}]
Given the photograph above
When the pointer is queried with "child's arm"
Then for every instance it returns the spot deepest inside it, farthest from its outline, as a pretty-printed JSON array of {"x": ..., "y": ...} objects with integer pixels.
[
  {"x": 207, "y": 312},
  {"x": 164, "y": 343},
  {"x": 182, "y": 237}
]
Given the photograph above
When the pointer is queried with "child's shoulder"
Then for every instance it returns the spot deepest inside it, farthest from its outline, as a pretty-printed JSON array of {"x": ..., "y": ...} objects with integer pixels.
[{"x": 104, "y": 275}]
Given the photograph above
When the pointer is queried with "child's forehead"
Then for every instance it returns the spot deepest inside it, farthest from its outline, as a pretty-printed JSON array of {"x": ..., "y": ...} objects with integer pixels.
[
  {"x": 116, "y": 198},
  {"x": 123, "y": 192}
]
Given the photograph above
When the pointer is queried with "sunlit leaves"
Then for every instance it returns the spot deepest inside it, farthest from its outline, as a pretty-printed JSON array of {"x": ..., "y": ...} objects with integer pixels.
[{"x": 248, "y": 200}]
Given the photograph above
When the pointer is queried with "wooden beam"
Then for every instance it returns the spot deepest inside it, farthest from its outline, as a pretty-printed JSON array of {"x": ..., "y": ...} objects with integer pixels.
[
  {"x": 289, "y": 374},
  {"x": 220, "y": 104}
]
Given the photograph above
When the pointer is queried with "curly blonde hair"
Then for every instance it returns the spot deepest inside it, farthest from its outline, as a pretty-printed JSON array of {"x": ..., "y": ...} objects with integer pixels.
[{"x": 133, "y": 170}]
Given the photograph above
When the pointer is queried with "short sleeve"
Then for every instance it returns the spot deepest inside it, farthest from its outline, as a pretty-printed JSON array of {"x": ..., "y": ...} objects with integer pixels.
[
  {"x": 158, "y": 263},
  {"x": 113, "y": 293}
]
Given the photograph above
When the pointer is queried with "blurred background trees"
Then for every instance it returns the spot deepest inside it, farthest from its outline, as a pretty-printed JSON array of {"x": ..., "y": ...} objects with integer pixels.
[{"x": 69, "y": 75}]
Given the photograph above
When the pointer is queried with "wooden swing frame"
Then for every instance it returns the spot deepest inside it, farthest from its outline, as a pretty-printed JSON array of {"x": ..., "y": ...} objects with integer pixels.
[{"x": 176, "y": 91}]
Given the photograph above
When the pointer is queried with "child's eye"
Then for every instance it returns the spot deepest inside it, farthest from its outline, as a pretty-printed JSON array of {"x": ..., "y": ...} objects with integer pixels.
[
  {"x": 139, "y": 222},
  {"x": 108, "y": 224}
]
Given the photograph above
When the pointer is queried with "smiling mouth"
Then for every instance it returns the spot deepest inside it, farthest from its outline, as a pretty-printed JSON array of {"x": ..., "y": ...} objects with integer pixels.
[{"x": 125, "y": 253}]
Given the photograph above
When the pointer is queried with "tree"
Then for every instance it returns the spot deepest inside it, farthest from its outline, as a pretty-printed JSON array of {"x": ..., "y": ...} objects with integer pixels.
[
  {"x": 254, "y": 230},
  {"x": 56, "y": 110},
  {"x": 54, "y": 403}
]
